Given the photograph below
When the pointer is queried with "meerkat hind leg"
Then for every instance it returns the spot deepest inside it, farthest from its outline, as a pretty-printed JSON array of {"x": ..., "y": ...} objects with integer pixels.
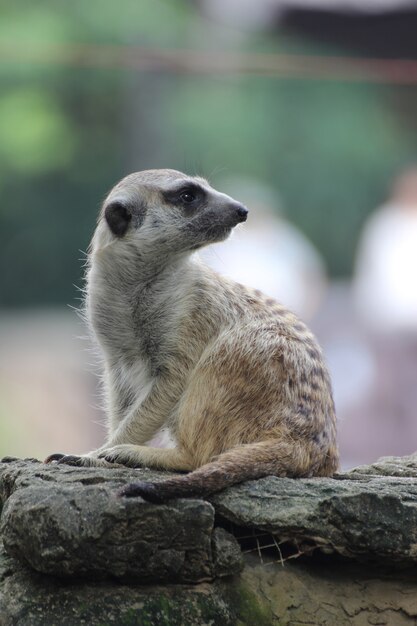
[
  {"x": 246, "y": 462},
  {"x": 173, "y": 459}
]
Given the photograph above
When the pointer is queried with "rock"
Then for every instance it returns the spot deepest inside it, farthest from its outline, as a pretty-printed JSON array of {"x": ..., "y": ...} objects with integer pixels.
[
  {"x": 68, "y": 521},
  {"x": 70, "y": 542},
  {"x": 28, "y": 598},
  {"x": 319, "y": 594},
  {"x": 401, "y": 466},
  {"x": 58, "y": 526},
  {"x": 331, "y": 592},
  {"x": 226, "y": 553},
  {"x": 358, "y": 515}
]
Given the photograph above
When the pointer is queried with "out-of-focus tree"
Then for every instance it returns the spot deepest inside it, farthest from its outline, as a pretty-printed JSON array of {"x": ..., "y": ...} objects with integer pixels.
[{"x": 67, "y": 132}]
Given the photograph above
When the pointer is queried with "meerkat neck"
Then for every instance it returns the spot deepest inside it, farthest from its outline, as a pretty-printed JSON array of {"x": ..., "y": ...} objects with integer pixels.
[
  {"x": 134, "y": 269},
  {"x": 127, "y": 297}
]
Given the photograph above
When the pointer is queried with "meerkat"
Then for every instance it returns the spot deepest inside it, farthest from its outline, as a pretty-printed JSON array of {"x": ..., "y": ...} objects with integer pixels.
[{"x": 239, "y": 380}]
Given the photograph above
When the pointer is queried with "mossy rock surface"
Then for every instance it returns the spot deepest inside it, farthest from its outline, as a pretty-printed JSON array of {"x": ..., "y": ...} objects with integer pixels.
[{"x": 28, "y": 598}]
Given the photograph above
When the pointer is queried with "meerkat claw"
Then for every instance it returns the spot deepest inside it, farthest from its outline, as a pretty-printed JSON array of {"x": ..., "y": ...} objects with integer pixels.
[
  {"x": 70, "y": 459},
  {"x": 54, "y": 457},
  {"x": 112, "y": 457}
]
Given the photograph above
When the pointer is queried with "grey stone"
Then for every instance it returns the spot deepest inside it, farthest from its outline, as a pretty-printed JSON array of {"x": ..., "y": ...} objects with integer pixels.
[
  {"x": 357, "y": 515},
  {"x": 28, "y": 598},
  {"x": 227, "y": 554},
  {"x": 401, "y": 466},
  {"x": 299, "y": 593},
  {"x": 70, "y": 522}
]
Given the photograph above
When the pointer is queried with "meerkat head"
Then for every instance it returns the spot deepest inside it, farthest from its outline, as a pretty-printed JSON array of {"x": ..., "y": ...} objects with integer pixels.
[{"x": 166, "y": 211}]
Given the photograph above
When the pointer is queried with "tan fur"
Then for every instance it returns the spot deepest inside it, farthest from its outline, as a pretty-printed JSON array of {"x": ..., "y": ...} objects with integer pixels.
[{"x": 239, "y": 380}]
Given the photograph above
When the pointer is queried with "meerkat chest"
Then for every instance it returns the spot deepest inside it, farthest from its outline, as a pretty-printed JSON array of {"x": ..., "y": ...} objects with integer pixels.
[
  {"x": 157, "y": 323},
  {"x": 151, "y": 327},
  {"x": 134, "y": 380}
]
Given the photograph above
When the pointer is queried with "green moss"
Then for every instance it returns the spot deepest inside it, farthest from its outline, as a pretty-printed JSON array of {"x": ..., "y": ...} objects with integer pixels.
[
  {"x": 248, "y": 607},
  {"x": 184, "y": 609},
  {"x": 230, "y": 604}
]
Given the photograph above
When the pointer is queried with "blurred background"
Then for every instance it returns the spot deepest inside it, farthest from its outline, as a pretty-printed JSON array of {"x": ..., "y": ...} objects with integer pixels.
[{"x": 303, "y": 109}]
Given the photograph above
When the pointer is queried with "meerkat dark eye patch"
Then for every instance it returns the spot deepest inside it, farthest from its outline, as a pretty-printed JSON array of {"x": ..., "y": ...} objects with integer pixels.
[
  {"x": 189, "y": 196},
  {"x": 118, "y": 217}
]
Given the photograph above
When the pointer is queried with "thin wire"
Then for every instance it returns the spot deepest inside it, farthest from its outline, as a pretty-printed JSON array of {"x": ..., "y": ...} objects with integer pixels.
[{"x": 175, "y": 61}]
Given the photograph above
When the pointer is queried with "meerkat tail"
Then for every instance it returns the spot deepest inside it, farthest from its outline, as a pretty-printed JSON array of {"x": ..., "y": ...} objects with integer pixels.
[{"x": 246, "y": 462}]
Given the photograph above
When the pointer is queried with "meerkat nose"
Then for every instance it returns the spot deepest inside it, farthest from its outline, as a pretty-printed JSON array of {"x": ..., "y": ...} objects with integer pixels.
[{"x": 242, "y": 213}]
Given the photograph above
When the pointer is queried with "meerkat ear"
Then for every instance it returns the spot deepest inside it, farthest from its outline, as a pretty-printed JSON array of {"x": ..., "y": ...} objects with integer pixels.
[{"x": 118, "y": 216}]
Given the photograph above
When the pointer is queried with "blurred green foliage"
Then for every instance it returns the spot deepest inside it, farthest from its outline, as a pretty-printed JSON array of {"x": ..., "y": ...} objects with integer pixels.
[
  {"x": 35, "y": 134},
  {"x": 68, "y": 132}
]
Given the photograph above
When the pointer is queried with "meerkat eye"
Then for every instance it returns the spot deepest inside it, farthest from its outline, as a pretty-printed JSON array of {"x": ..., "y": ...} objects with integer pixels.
[{"x": 188, "y": 196}]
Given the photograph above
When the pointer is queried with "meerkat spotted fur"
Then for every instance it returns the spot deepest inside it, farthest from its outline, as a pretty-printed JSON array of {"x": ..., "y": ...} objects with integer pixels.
[{"x": 238, "y": 379}]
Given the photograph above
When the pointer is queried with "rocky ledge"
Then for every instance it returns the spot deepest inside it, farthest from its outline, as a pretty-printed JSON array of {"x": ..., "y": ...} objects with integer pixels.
[{"x": 68, "y": 538}]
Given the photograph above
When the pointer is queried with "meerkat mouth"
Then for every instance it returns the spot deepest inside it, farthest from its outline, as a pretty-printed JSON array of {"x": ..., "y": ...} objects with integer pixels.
[
  {"x": 220, "y": 232},
  {"x": 213, "y": 235}
]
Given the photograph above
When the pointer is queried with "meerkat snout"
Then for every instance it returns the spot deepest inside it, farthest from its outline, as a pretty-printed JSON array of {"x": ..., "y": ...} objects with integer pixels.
[
  {"x": 232, "y": 213},
  {"x": 242, "y": 213}
]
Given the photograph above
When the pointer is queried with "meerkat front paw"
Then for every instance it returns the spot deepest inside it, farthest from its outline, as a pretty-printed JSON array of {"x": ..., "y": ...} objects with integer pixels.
[
  {"x": 76, "y": 461},
  {"x": 123, "y": 454}
]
